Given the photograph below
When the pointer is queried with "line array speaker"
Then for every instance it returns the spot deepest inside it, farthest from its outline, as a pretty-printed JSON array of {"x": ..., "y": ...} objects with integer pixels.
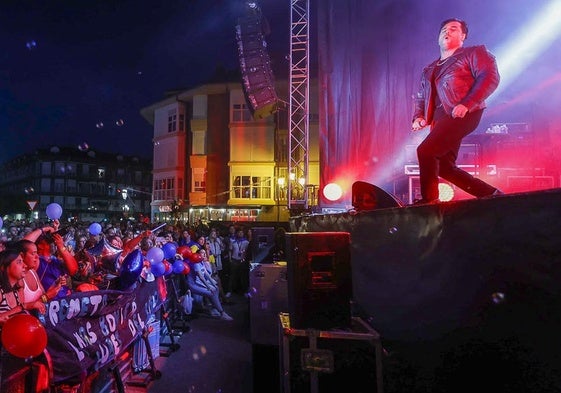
[{"x": 255, "y": 64}]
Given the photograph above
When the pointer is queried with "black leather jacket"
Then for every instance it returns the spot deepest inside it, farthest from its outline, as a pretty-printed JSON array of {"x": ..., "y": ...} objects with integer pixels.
[{"x": 467, "y": 77}]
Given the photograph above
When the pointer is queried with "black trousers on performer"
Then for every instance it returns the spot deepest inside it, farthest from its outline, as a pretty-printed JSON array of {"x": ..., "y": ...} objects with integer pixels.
[{"x": 437, "y": 155}]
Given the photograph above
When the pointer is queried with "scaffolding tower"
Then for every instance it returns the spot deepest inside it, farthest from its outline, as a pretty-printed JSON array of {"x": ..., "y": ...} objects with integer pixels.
[{"x": 299, "y": 123}]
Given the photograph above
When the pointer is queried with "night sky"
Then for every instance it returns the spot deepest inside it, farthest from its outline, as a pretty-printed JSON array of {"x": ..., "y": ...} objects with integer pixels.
[{"x": 69, "y": 66}]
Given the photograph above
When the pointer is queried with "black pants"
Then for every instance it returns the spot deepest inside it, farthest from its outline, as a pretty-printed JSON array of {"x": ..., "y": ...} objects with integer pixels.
[{"x": 437, "y": 156}]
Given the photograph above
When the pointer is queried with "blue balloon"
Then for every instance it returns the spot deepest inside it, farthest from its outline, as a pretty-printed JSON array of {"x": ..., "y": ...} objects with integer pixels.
[
  {"x": 178, "y": 266},
  {"x": 94, "y": 229},
  {"x": 131, "y": 269},
  {"x": 155, "y": 255},
  {"x": 1, "y": 222},
  {"x": 158, "y": 269},
  {"x": 54, "y": 211},
  {"x": 170, "y": 250}
]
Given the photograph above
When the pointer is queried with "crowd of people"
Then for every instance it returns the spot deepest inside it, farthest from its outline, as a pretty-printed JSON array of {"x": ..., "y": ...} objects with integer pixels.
[{"x": 44, "y": 260}]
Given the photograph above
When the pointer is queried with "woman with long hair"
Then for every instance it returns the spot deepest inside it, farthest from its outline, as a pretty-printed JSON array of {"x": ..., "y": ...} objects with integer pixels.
[{"x": 12, "y": 271}]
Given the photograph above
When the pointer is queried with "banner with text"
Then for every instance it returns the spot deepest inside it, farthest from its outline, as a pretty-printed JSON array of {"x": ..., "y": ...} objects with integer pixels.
[{"x": 87, "y": 330}]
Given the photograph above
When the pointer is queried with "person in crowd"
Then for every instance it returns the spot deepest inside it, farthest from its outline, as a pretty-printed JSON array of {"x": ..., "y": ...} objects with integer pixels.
[
  {"x": 32, "y": 288},
  {"x": 12, "y": 271},
  {"x": 215, "y": 249},
  {"x": 237, "y": 251},
  {"x": 185, "y": 239},
  {"x": 200, "y": 282},
  {"x": 52, "y": 269},
  {"x": 451, "y": 101}
]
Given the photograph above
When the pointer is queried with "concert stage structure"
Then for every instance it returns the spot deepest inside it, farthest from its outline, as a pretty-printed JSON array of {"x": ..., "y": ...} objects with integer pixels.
[{"x": 465, "y": 295}]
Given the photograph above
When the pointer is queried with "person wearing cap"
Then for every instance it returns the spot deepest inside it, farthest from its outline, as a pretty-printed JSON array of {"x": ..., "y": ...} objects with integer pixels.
[{"x": 451, "y": 101}]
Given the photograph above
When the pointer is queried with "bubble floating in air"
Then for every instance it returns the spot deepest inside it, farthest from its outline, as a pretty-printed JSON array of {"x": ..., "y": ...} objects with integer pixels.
[
  {"x": 31, "y": 44},
  {"x": 120, "y": 122},
  {"x": 99, "y": 125},
  {"x": 83, "y": 146}
]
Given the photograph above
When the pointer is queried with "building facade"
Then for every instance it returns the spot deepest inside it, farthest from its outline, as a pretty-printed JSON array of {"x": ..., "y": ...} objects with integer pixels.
[
  {"x": 89, "y": 185},
  {"x": 213, "y": 161}
]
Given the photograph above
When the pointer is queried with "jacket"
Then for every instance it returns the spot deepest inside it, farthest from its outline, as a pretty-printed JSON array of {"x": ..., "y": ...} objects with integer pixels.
[{"x": 468, "y": 77}]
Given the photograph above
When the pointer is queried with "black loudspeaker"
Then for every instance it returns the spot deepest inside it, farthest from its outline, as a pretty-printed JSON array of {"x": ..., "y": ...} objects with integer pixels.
[
  {"x": 366, "y": 196},
  {"x": 319, "y": 279},
  {"x": 255, "y": 64},
  {"x": 268, "y": 299},
  {"x": 264, "y": 240}
]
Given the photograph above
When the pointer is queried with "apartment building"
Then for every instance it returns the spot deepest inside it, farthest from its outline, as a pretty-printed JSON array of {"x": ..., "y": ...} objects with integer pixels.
[
  {"x": 213, "y": 161},
  {"x": 89, "y": 185}
]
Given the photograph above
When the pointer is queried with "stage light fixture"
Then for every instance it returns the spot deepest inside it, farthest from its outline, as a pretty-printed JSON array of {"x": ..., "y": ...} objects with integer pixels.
[
  {"x": 332, "y": 192},
  {"x": 445, "y": 192}
]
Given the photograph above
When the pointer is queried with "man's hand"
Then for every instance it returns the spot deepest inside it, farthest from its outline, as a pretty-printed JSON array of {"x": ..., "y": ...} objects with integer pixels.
[
  {"x": 418, "y": 124},
  {"x": 459, "y": 111}
]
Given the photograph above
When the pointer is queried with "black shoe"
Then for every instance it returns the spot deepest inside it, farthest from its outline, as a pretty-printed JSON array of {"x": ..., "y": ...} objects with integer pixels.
[
  {"x": 495, "y": 193},
  {"x": 424, "y": 201}
]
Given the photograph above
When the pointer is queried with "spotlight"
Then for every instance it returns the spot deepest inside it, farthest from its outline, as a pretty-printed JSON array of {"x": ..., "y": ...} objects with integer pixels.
[
  {"x": 445, "y": 192},
  {"x": 332, "y": 192}
]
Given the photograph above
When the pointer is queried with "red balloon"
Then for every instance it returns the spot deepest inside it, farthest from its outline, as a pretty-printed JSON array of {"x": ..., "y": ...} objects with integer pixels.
[
  {"x": 184, "y": 251},
  {"x": 168, "y": 266},
  {"x": 196, "y": 257},
  {"x": 186, "y": 268},
  {"x": 86, "y": 286},
  {"x": 24, "y": 336}
]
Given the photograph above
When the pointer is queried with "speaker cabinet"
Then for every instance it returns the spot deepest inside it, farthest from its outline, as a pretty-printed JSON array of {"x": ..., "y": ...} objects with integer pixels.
[
  {"x": 269, "y": 298},
  {"x": 255, "y": 64},
  {"x": 319, "y": 279}
]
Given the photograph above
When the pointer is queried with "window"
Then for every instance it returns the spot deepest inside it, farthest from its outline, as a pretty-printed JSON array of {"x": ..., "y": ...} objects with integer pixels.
[
  {"x": 172, "y": 120},
  {"x": 45, "y": 168},
  {"x": 199, "y": 180},
  {"x": 164, "y": 189},
  {"x": 181, "y": 123},
  {"x": 252, "y": 187},
  {"x": 240, "y": 113}
]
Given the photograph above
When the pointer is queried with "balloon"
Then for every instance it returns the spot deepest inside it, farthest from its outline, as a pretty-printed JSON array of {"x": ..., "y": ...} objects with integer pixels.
[
  {"x": 86, "y": 287},
  {"x": 186, "y": 268},
  {"x": 169, "y": 250},
  {"x": 158, "y": 269},
  {"x": 95, "y": 228},
  {"x": 196, "y": 257},
  {"x": 178, "y": 266},
  {"x": 107, "y": 256},
  {"x": 131, "y": 269},
  {"x": 54, "y": 211},
  {"x": 24, "y": 336},
  {"x": 155, "y": 254},
  {"x": 1, "y": 222},
  {"x": 194, "y": 248},
  {"x": 168, "y": 267},
  {"x": 184, "y": 251}
]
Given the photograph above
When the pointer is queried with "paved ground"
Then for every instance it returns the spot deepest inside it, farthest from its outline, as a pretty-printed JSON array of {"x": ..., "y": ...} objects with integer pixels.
[{"x": 215, "y": 356}]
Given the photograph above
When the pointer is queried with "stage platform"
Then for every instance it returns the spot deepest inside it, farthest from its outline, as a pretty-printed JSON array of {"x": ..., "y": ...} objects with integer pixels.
[{"x": 462, "y": 290}]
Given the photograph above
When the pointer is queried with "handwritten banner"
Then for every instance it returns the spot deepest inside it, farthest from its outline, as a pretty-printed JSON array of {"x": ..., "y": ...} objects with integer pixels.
[{"x": 87, "y": 330}]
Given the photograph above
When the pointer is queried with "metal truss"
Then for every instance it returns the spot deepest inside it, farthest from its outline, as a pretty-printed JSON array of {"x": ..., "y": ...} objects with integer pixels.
[{"x": 299, "y": 123}]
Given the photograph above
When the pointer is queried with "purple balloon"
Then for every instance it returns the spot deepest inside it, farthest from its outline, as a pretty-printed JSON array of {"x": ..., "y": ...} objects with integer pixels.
[
  {"x": 95, "y": 228},
  {"x": 155, "y": 255},
  {"x": 54, "y": 211}
]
